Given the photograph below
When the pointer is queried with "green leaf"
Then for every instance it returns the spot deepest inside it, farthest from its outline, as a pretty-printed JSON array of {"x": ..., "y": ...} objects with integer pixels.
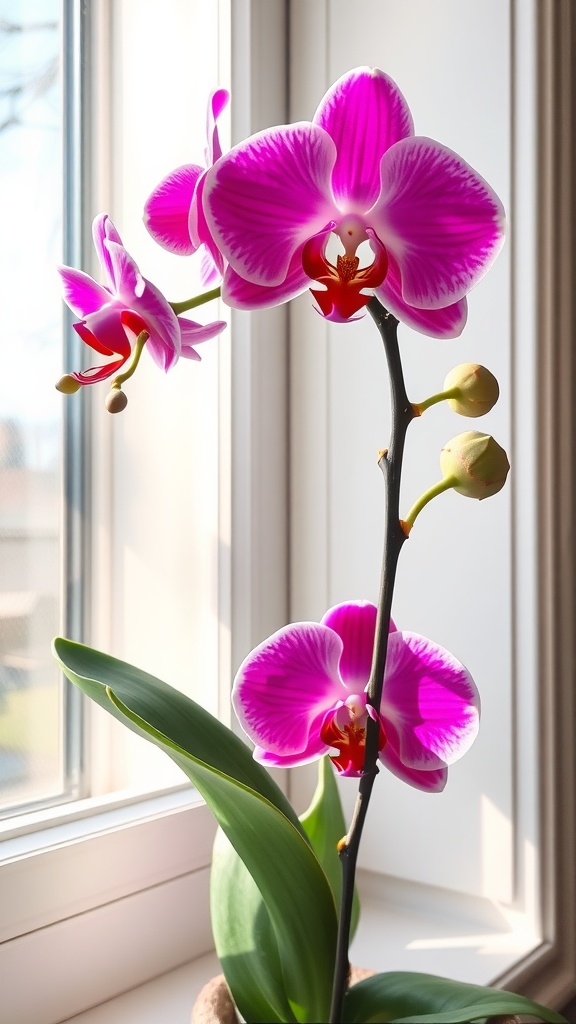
[
  {"x": 244, "y": 938},
  {"x": 325, "y": 826},
  {"x": 404, "y": 997},
  {"x": 251, "y": 810},
  {"x": 171, "y": 713}
]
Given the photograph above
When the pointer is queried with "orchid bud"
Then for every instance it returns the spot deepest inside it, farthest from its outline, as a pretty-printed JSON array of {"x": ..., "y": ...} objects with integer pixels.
[
  {"x": 116, "y": 400},
  {"x": 474, "y": 389},
  {"x": 67, "y": 385},
  {"x": 474, "y": 464}
]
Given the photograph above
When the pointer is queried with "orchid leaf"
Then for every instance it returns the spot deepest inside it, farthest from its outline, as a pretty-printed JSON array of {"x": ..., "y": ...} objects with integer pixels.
[
  {"x": 170, "y": 712},
  {"x": 254, "y": 814},
  {"x": 325, "y": 826},
  {"x": 404, "y": 997},
  {"x": 245, "y": 942}
]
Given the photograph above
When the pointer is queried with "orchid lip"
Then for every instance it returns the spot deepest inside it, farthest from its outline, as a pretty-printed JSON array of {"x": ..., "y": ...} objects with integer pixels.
[{"x": 344, "y": 292}]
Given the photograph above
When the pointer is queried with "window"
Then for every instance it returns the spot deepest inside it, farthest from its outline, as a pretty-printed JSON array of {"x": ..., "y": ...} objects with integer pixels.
[
  {"x": 119, "y": 535},
  {"x": 34, "y": 763},
  {"x": 107, "y": 865}
]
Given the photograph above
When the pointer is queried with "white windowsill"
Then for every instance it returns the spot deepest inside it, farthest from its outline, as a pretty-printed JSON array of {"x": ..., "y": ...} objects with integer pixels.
[
  {"x": 403, "y": 927},
  {"x": 168, "y": 999}
]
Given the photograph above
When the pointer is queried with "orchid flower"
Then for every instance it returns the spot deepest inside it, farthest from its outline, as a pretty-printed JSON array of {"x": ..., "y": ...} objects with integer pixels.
[
  {"x": 114, "y": 314},
  {"x": 357, "y": 172},
  {"x": 173, "y": 212},
  {"x": 302, "y": 694}
]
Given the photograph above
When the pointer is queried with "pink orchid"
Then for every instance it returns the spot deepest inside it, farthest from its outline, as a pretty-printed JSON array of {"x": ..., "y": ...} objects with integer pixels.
[
  {"x": 114, "y": 314},
  {"x": 173, "y": 212},
  {"x": 356, "y": 171},
  {"x": 302, "y": 694}
]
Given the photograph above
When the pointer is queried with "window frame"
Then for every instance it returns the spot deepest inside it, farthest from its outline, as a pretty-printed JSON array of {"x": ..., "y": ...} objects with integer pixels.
[{"x": 548, "y": 974}]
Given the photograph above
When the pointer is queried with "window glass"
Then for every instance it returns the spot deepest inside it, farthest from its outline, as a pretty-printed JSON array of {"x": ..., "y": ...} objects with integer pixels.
[
  {"x": 109, "y": 526},
  {"x": 31, "y": 692}
]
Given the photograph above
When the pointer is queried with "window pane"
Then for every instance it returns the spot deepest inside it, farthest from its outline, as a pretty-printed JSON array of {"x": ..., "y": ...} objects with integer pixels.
[
  {"x": 76, "y": 553},
  {"x": 31, "y": 695}
]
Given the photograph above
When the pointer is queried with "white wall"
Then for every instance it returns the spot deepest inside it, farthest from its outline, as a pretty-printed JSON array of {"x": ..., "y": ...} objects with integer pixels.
[{"x": 452, "y": 60}]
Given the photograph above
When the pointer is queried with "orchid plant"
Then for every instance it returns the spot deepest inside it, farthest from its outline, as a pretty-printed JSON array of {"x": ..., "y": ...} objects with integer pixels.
[{"x": 414, "y": 229}]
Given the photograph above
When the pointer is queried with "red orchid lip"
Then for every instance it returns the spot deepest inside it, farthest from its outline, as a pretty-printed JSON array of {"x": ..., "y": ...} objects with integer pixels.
[
  {"x": 98, "y": 373},
  {"x": 342, "y": 295}
]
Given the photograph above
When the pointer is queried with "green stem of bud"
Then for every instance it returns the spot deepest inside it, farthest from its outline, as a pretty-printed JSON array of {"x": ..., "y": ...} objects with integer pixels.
[
  {"x": 432, "y": 492},
  {"x": 198, "y": 300},
  {"x": 134, "y": 360},
  {"x": 442, "y": 396}
]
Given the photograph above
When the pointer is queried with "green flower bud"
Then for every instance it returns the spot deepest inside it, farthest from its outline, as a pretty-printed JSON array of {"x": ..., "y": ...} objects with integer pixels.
[
  {"x": 67, "y": 385},
  {"x": 475, "y": 389},
  {"x": 474, "y": 464},
  {"x": 116, "y": 400}
]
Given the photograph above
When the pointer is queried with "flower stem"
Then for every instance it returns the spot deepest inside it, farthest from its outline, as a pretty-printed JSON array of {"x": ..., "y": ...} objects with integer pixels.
[
  {"x": 197, "y": 300},
  {"x": 134, "y": 360},
  {"x": 394, "y": 536},
  {"x": 432, "y": 492},
  {"x": 442, "y": 396}
]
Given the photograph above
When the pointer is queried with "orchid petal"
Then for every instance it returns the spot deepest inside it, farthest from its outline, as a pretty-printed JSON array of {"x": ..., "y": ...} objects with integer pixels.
[
  {"x": 200, "y": 235},
  {"x": 440, "y": 220},
  {"x": 431, "y": 781},
  {"x": 209, "y": 273},
  {"x": 103, "y": 231},
  {"x": 448, "y": 322},
  {"x": 162, "y": 325},
  {"x": 264, "y": 198},
  {"x": 127, "y": 279},
  {"x": 355, "y": 624},
  {"x": 242, "y": 294},
  {"x": 167, "y": 210},
  {"x": 430, "y": 704},
  {"x": 197, "y": 227},
  {"x": 81, "y": 293},
  {"x": 365, "y": 113},
  {"x": 216, "y": 104},
  {"x": 284, "y": 688},
  {"x": 192, "y": 334},
  {"x": 314, "y": 749}
]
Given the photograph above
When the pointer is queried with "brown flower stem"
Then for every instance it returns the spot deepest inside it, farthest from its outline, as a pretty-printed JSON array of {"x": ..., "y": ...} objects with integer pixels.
[{"x": 390, "y": 463}]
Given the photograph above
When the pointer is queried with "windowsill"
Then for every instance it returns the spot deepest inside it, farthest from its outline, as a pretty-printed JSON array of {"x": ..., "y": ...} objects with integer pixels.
[
  {"x": 168, "y": 998},
  {"x": 402, "y": 927},
  {"x": 405, "y": 926}
]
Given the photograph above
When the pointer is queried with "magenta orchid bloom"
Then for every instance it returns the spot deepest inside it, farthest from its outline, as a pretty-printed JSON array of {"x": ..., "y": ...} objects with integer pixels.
[
  {"x": 173, "y": 212},
  {"x": 114, "y": 314},
  {"x": 302, "y": 694},
  {"x": 356, "y": 171}
]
